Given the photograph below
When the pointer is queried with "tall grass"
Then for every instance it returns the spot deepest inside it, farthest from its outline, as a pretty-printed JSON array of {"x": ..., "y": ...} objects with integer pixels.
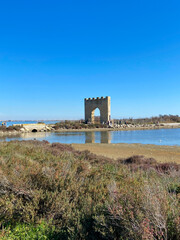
[{"x": 54, "y": 192}]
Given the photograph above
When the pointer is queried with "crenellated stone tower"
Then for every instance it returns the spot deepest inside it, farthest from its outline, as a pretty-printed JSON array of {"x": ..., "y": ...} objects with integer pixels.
[{"x": 104, "y": 106}]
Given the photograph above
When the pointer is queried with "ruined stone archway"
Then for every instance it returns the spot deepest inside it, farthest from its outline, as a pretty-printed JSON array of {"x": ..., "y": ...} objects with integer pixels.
[{"x": 104, "y": 106}]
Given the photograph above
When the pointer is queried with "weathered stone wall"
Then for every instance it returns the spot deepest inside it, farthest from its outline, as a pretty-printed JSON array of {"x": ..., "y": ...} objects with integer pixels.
[
  {"x": 104, "y": 106},
  {"x": 34, "y": 127},
  {"x": 38, "y": 126}
]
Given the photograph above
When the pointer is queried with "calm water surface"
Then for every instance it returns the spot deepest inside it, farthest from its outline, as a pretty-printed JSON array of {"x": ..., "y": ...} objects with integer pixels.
[{"x": 158, "y": 137}]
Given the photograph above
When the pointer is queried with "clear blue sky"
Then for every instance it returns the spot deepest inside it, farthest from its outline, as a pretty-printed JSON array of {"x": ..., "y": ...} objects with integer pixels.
[{"x": 55, "y": 53}]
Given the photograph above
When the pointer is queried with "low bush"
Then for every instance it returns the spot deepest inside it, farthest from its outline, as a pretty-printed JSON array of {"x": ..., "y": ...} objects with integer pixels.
[
  {"x": 2, "y": 128},
  {"x": 78, "y": 125},
  {"x": 140, "y": 162},
  {"x": 51, "y": 191},
  {"x": 10, "y": 128}
]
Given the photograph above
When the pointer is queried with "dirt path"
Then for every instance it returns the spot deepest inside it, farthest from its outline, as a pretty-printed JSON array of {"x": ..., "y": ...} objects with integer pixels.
[{"x": 123, "y": 150}]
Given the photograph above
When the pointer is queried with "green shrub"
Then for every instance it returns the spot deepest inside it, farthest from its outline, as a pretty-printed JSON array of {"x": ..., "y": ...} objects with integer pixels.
[{"x": 29, "y": 232}]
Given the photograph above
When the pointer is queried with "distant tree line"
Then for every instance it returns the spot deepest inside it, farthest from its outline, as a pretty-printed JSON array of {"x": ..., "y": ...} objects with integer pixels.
[{"x": 152, "y": 120}]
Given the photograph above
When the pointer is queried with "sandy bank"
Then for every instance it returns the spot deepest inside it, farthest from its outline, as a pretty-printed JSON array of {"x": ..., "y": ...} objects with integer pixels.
[{"x": 123, "y": 150}]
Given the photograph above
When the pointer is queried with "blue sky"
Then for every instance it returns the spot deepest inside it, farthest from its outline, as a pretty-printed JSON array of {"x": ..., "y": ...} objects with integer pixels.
[{"x": 55, "y": 53}]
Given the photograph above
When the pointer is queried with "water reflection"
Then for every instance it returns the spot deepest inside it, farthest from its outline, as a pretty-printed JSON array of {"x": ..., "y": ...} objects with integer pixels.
[
  {"x": 92, "y": 137},
  {"x": 26, "y": 136},
  {"x": 35, "y": 135},
  {"x": 63, "y": 137},
  {"x": 159, "y": 137},
  {"x": 106, "y": 137}
]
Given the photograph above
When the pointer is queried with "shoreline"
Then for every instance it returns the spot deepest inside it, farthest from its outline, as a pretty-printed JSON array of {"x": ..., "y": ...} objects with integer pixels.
[
  {"x": 118, "y": 129},
  {"x": 128, "y": 128}
]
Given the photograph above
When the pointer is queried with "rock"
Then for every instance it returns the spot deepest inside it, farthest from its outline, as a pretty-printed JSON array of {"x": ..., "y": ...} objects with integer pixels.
[{"x": 22, "y": 130}]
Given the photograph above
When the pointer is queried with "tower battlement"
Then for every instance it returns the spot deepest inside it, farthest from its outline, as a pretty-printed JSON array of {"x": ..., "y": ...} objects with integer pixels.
[{"x": 97, "y": 98}]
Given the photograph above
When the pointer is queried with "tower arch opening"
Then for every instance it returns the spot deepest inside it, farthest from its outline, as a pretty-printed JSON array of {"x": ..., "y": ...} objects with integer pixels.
[{"x": 96, "y": 115}]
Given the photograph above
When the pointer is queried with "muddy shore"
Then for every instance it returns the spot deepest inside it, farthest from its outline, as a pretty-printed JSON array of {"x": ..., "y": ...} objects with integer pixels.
[{"x": 124, "y": 150}]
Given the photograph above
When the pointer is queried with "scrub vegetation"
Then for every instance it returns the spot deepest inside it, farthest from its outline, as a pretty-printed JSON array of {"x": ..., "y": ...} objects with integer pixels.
[
  {"x": 152, "y": 120},
  {"x": 78, "y": 125},
  {"x": 133, "y": 121},
  {"x": 51, "y": 191},
  {"x": 10, "y": 128}
]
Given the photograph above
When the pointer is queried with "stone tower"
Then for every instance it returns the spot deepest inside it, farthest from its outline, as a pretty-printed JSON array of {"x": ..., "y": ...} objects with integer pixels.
[{"x": 104, "y": 106}]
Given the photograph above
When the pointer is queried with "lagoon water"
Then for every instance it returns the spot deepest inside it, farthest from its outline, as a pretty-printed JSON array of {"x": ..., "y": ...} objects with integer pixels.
[{"x": 159, "y": 137}]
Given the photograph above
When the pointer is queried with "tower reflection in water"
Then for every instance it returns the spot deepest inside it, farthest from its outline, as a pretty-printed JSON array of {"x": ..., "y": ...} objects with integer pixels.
[{"x": 91, "y": 137}]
